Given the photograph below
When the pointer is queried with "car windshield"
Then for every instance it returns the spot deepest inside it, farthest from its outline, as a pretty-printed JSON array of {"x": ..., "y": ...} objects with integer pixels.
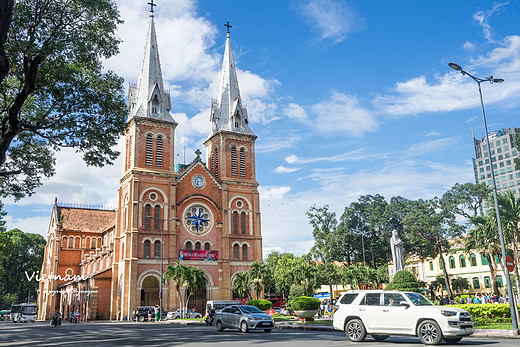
[
  {"x": 250, "y": 309},
  {"x": 418, "y": 299}
]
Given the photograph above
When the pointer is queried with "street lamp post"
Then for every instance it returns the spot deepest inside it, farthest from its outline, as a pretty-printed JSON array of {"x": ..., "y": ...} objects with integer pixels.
[
  {"x": 161, "y": 280},
  {"x": 492, "y": 80}
]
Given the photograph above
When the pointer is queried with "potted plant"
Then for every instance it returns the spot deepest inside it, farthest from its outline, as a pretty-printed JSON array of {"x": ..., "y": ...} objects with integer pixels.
[{"x": 305, "y": 307}]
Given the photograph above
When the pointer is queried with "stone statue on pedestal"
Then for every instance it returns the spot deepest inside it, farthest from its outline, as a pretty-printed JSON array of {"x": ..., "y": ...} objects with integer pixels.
[{"x": 396, "y": 245}]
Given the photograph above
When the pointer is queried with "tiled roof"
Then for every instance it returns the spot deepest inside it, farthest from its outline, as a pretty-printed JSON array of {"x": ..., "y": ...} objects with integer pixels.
[{"x": 87, "y": 220}]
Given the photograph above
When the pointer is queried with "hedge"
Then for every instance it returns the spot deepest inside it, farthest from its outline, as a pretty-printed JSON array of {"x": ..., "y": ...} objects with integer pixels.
[
  {"x": 263, "y": 305},
  {"x": 487, "y": 312},
  {"x": 304, "y": 303}
]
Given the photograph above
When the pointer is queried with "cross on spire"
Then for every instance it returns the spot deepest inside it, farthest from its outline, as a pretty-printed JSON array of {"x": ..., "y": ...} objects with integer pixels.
[
  {"x": 151, "y": 5},
  {"x": 198, "y": 153},
  {"x": 226, "y": 25}
]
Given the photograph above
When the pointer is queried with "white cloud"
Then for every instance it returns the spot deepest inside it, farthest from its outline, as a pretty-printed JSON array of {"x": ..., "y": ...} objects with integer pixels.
[
  {"x": 482, "y": 18},
  {"x": 425, "y": 147},
  {"x": 284, "y": 170},
  {"x": 357, "y": 154},
  {"x": 469, "y": 46},
  {"x": 275, "y": 144},
  {"x": 332, "y": 19},
  {"x": 295, "y": 111},
  {"x": 343, "y": 114},
  {"x": 33, "y": 225}
]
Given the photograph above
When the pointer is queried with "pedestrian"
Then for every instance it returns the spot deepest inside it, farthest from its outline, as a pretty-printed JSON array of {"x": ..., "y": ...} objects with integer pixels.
[
  {"x": 136, "y": 315},
  {"x": 156, "y": 309},
  {"x": 469, "y": 300},
  {"x": 476, "y": 300}
]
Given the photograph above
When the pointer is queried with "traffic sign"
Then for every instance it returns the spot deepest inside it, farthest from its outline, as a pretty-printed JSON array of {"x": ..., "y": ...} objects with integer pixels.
[{"x": 510, "y": 264}]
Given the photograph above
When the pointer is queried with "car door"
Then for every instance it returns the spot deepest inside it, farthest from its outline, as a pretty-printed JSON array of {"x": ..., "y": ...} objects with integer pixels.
[
  {"x": 226, "y": 316},
  {"x": 396, "y": 317},
  {"x": 237, "y": 314},
  {"x": 369, "y": 311}
]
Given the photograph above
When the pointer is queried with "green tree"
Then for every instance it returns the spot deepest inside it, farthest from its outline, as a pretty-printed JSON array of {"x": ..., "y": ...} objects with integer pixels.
[
  {"x": 435, "y": 226},
  {"x": 242, "y": 285},
  {"x": 510, "y": 216},
  {"x": 258, "y": 276},
  {"x": 54, "y": 91},
  {"x": 189, "y": 278},
  {"x": 356, "y": 274},
  {"x": 21, "y": 258},
  {"x": 280, "y": 265},
  {"x": 459, "y": 284},
  {"x": 466, "y": 199},
  {"x": 405, "y": 281},
  {"x": 484, "y": 238},
  {"x": 306, "y": 276}
]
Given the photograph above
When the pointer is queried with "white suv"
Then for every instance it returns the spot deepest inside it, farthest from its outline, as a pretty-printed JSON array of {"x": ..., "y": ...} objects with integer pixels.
[{"x": 383, "y": 313}]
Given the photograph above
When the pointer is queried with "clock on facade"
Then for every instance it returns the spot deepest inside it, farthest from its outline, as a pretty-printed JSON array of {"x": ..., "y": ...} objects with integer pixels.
[
  {"x": 197, "y": 219},
  {"x": 198, "y": 181}
]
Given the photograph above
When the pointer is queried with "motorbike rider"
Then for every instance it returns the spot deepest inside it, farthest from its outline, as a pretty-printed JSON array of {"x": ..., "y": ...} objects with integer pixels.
[
  {"x": 211, "y": 316},
  {"x": 56, "y": 318}
]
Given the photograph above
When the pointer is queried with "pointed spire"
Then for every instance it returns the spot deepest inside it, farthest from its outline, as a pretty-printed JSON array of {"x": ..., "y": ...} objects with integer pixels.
[
  {"x": 227, "y": 113},
  {"x": 148, "y": 98}
]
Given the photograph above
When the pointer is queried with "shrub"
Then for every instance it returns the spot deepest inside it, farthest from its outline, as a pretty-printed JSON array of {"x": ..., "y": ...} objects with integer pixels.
[
  {"x": 263, "y": 305},
  {"x": 304, "y": 303},
  {"x": 487, "y": 312},
  {"x": 405, "y": 281}
]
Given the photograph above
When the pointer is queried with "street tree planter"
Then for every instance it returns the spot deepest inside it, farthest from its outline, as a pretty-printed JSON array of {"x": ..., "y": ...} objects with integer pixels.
[{"x": 306, "y": 315}]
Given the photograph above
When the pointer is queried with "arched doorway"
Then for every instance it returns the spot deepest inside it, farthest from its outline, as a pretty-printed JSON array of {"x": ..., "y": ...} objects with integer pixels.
[{"x": 150, "y": 291}]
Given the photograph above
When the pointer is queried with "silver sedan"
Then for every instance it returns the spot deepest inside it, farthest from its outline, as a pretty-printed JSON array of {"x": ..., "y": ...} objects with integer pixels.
[{"x": 243, "y": 317}]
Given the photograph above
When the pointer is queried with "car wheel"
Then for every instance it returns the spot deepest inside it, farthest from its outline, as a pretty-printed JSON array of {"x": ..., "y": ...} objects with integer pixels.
[
  {"x": 355, "y": 330},
  {"x": 219, "y": 326},
  {"x": 452, "y": 340},
  {"x": 429, "y": 332},
  {"x": 268, "y": 330},
  {"x": 243, "y": 327},
  {"x": 380, "y": 337},
  {"x": 141, "y": 318}
]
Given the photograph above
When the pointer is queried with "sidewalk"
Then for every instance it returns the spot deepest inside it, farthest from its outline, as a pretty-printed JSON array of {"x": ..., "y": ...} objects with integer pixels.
[{"x": 492, "y": 333}]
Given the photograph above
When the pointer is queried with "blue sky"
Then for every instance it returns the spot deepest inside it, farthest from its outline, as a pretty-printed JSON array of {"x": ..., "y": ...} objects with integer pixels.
[{"x": 347, "y": 98}]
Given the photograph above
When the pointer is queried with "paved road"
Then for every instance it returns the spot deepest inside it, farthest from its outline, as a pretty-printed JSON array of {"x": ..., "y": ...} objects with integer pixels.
[{"x": 154, "y": 334}]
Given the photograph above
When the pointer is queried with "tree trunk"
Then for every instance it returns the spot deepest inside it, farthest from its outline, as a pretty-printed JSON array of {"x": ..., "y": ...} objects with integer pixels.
[
  {"x": 516, "y": 257},
  {"x": 493, "y": 270},
  {"x": 445, "y": 273}
]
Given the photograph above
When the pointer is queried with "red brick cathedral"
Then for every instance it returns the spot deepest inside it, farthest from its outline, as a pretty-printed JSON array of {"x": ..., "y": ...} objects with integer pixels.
[{"x": 107, "y": 263}]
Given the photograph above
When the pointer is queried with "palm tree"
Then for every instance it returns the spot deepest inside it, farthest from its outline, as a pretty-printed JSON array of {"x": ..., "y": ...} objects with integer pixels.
[
  {"x": 355, "y": 275},
  {"x": 242, "y": 284},
  {"x": 305, "y": 275},
  {"x": 258, "y": 276},
  {"x": 190, "y": 278},
  {"x": 484, "y": 238},
  {"x": 510, "y": 213}
]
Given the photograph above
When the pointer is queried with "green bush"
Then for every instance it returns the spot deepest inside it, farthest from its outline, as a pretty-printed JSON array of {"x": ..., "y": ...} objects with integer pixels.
[
  {"x": 263, "y": 305},
  {"x": 487, "y": 313},
  {"x": 405, "y": 281},
  {"x": 304, "y": 303}
]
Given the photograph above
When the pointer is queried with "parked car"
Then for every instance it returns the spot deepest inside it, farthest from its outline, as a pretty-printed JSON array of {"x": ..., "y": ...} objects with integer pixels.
[
  {"x": 244, "y": 318},
  {"x": 384, "y": 313},
  {"x": 177, "y": 314},
  {"x": 143, "y": 313}
]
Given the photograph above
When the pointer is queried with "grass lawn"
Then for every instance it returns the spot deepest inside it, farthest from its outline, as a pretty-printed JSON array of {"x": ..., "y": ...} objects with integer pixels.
[{"x": 493, "y": 326}]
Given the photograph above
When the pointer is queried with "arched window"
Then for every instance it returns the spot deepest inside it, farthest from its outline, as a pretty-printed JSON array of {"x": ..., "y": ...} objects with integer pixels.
[
  {"x": 484, "y": 260},
  {"x": 64, "y": 242},
  {"x": 234, "y": 161},
  {"x": 216, "y": 162},
  {"x": 500, "y": 282},
  {"x": 71, "y": 242},
  {"x": 188, "y": 245},
  {"x": 431, "y": 265},
  {"x": 212, "y": 162},
  {"x": 147, "y": 249},
  {"x": 149, "y": 149},
  {"x": 242, "y": 162},
  {"x": 235, "y": 222},
  {"x": 462, "y": 261},
  {"x": 236, "y": 251},
  {"x": 476, "y": 283},
  {"x": 128, "y": 152},
  {"x": 244, "y": 252},
  {"x": 155, "y": 105},
  {"x": 452, "y": 262},
  {"x": 157, "y": 216},
  {"x": 243, "y": 223},
  {"x": 87, "y": 243},
  {"x": 440, "y": 264},
  {"x": 157, "y": 249},
  {"x": 93, "y": 243},
  {"x": 207, "y": 246},
  {"x": 487, "y": 282},
  {"x": 197, "y": 246},
  {"x": 158, "y": 152},
  {"x": 473, "y": 260},
  {"x": 147, "y": 215}
]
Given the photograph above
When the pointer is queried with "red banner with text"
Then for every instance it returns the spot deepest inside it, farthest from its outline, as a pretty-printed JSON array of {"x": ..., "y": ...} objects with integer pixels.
[{"x": 200, "y": 254}]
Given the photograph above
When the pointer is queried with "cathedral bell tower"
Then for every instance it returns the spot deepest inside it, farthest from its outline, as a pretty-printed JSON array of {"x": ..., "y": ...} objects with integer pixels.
[
  {"x": 230, "y": 155},
  {"x": 146, "y": 188}
]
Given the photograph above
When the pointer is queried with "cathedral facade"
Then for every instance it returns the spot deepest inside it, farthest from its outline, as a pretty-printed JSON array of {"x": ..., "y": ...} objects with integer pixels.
[{"x": 205, "y": 214}]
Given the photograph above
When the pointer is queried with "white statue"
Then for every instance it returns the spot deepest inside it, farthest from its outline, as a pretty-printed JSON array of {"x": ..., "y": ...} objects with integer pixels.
[{"x": 397, "y": 251}]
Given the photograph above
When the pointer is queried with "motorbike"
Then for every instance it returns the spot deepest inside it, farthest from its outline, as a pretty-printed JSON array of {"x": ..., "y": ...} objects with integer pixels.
[
  {"x": 56, "y": 320},
  {"x": 74, "y": 319},
  {"x": 209, "y": 318}
]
